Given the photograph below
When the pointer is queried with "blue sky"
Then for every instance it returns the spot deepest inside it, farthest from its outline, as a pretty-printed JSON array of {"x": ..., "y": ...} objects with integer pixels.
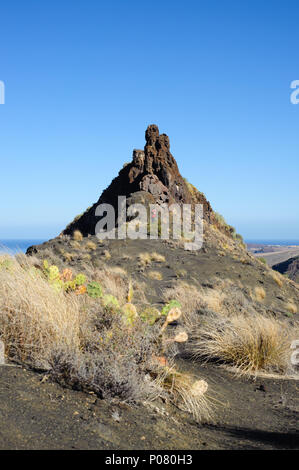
[{"x": 84, "y": 79}]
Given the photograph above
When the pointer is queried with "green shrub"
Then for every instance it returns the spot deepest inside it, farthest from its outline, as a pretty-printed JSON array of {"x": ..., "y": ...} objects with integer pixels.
[
  {"x": 110, "y": 301},
  {"x": 94, "y": 290},
  {"x": 171, "y": 304}
]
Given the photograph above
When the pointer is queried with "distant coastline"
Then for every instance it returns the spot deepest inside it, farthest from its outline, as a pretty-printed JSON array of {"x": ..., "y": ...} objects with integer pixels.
[{"x": 280, "y": 242}]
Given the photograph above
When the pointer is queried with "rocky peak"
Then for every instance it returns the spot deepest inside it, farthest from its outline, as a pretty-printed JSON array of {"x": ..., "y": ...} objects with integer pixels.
[{"x": 151, "y": 177}]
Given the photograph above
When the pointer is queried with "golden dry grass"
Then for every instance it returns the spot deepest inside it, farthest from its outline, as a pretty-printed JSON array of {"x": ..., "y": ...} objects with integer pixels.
[
  {"x": 75, "y": 244},
  {"x": 91, "y": 246},
  {"x": 259, "y": 293},
  {"x": 77, "y": 235},
  {"x": 106, "y": 254},
  {"x": 145, "y": 259},
  {"x": 291, "y": 308},
  {"x": 118, "y": 270},
  {"x": 155, "y": 275},
  {"x": 187, "y": 392},
  {"x": 277, "y": 278},
  {"x": 34, "y": 318},
  {"x": 250, "y": 343},
  {"x": 157, "y": 257}
]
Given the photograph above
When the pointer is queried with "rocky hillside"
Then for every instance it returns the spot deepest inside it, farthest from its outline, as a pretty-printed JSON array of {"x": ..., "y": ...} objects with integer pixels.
[
  {"x": 290, "y": 268},
  {"x": 223, "y": 268}
]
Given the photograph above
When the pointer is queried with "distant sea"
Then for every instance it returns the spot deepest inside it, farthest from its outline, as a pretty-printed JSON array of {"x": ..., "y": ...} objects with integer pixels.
[
  {"x": 17, "y": 246},
  {"x": 21, "y": 245},
  {"x": 273, "y": 242}
]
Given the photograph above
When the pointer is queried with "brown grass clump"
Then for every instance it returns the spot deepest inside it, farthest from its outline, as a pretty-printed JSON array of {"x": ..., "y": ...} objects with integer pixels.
[
  {"x": 291, "y": 308},
  {"x": 250, "y": 343},
  {"x": 259, "y": 293},
  {"x": 76, "y": 245},
  {"x": 187, "y": 392},
  {"x": 155, "y": 275},
  {"x": 69, "y": 256},
  {"x": 156, "y": 257},
  {"x": 91, "y": 246},
  {"x": 144, "y": 259},
  {"x": 77, "y": 236},
  {"x": 118, "y": 270},
  {"x": 106, "y": 254},
  {"x": 277, "y": 277}
]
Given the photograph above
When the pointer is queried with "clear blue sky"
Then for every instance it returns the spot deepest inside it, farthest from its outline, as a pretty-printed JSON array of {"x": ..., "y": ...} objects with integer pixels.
[{"x": 84, "y": 78}]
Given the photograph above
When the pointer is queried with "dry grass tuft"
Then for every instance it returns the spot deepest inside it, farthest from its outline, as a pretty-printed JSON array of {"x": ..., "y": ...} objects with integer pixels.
[
  {"x": 250, "y": 343},
  {"x": 291, "y": 308},
  {"x": 106, "y": 254},
  {"x": 144, "y": 259},
  {"x": 69, "y": 256},
  {"x": 75, "y": 244},
  {"x": 91, "y": 246},
  {"x": 156, "y": 275},
  {"x": 188, "y": 393},
  {"x": 277, "y": 277},
  {"x": 259, "y": 293},
  {"x": 118, "y": 270},
  {"x": 156, "y": 257},
  {"x": 77, "y": 236}
]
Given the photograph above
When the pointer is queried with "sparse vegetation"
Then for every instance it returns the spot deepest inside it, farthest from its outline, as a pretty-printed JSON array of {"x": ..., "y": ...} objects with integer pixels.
[
  {"x": 145, "y": 259},
  {"x": 83, "y": 336}
]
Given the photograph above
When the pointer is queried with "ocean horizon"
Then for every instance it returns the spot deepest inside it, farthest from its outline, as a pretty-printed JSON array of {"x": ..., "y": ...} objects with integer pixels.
[{"x": 14, "y": 246}]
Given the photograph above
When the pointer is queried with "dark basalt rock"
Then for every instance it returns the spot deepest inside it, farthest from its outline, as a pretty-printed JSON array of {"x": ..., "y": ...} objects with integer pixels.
[
  {"x": 289, "y": 267},
  {"x": 154, "y": 173}
]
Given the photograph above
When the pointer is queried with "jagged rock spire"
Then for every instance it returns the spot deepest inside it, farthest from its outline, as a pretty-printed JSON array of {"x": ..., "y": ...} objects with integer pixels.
[{"x": 152, "y": 177}]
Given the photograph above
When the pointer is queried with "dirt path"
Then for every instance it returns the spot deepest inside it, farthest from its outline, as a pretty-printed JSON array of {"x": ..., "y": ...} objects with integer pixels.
[{"x": 36, "y": 414}]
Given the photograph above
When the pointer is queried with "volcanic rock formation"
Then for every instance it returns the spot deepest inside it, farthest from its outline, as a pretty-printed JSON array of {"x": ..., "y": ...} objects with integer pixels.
[
  {"x": 289, "y": 267},
  {"x": 152, "y": 177}
]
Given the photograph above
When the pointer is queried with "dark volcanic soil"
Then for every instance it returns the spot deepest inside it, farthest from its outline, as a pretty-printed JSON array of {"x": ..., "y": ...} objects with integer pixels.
[{"x": 36, "y": 414}]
